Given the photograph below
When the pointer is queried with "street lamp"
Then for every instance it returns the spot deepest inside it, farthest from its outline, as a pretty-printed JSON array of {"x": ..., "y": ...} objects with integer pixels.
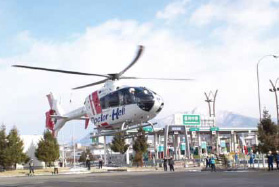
[
  {"x": 208, "y": 100},
  {"x": 211, "y": 98},
  {"x": 274, "y": 89},
  {"x": 258, "y": 79}
]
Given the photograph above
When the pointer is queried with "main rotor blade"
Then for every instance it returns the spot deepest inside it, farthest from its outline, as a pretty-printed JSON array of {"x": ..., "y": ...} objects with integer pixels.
[
  {"x": 133, "y": 62},
  {"x": 60, "y": 71},
  {"x": 165, "y": 79},
  {"x": 92, "y": 84}
]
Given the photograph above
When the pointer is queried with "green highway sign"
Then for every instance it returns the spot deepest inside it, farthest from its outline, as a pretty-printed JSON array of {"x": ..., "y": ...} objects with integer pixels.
[
  {"x": 191, "y": 119},
  {"x": 194, "y": 129},
  {"x": 148, "y": 129},
  {"x": 214, "y": 128}
]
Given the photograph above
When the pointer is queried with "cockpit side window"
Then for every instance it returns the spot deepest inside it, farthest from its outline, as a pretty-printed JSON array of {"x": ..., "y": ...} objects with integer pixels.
[
  {"x": 107, "y": 101},
  {"x": 126, "y": 96},
  {"x": 113, "y": 99}
]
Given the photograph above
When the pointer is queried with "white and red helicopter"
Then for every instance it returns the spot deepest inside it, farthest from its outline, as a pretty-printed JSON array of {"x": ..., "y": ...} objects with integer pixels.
[{"x": 112, "y": 108}]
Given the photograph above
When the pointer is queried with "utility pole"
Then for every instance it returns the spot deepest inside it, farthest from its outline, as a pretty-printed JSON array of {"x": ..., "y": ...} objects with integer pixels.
[{"x": 74, "y": 146}]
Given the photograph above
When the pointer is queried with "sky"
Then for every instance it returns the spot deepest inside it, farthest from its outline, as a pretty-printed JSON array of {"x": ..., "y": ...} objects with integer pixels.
[{"x": 218, "y": 43}]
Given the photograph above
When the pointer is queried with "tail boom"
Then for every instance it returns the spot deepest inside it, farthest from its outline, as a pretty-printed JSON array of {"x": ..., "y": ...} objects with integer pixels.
[{"x": 55, "y": 119}]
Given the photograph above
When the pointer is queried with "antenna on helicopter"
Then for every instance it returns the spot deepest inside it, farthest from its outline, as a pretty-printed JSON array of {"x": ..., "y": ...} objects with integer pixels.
[{"x": 113, "y": 76}]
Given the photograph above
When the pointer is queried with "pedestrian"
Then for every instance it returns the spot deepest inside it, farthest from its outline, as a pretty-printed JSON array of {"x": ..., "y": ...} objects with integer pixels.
[
  {"x": 252, "y": 157},
  {"x": 88, "y": 165},
  {"x": 56, "y": 163},
  {"x": 277, "y": 159},
  {"x": 207, "y": 162},
  {"x": 31, "y": 168},
  {"x": 165, "y": 164},
  {"x": 213, "y": 168},
  {"x": 171, "y": 164},
  {"x": 236, "y": 159},
  {"x": 270, "y": 160},
  {"x": 60, "y": 164},
  {"x": 100, "y": 163}
]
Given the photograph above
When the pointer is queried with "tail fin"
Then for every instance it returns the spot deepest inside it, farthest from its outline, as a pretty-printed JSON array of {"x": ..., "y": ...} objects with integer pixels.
[
  {"x": 54, "y": 105},
  {"x": 54, "y": 124}
]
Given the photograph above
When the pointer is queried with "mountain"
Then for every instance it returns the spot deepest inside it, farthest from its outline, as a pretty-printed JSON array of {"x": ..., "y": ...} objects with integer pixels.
[
  {"x": 230, "y": 119},
  {"x": 85, "y": 141}
]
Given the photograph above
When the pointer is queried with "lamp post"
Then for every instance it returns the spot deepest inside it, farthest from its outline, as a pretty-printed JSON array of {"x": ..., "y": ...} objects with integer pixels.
[
  {"x": 258, "y": 79},
  {"x": 208, "y": 100},
  {"x": 274, "y": 89}
]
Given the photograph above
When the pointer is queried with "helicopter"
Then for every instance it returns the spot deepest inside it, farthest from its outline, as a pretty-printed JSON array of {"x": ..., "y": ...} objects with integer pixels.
[{"x": 111, "y": 108}]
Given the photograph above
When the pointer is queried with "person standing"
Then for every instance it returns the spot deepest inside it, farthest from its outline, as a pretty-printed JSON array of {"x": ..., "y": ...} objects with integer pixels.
[
  {"x": 277, "y": 159},
  {"x": 209, "y": 162},
  {"x": 270, "y": 161},
  {"x": 206, "y": 162},
  {"x": 88, "y": 165},
  {"x": 252, "y": 157},
  {"x": 213, "y": 168},
  {"x": 31, "y": 168},
  {"x": 100, "y": 163},
  {"x": 55, "y": 167},
  {"x": 165, "y": 164},
  {"x": 236, "y": 159},
  {"x": 171, "y": 164}
]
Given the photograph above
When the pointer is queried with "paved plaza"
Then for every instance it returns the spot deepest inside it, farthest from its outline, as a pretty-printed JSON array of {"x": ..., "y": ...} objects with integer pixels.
[{"x": 141, "y": 179}]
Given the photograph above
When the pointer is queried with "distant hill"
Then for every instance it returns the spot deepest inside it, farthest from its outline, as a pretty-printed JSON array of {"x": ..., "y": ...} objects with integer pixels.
[{"x": 230, "y": 119}]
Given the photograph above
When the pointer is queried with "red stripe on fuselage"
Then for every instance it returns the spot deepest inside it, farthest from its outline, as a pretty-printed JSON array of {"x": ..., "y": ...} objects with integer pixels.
[
  {"x": 91, "y": 105},
  {"x": 96, "y": 101}
]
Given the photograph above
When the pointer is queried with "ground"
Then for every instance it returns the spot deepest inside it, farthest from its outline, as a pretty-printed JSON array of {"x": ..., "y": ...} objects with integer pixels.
[{"x": 150, "y": 178}]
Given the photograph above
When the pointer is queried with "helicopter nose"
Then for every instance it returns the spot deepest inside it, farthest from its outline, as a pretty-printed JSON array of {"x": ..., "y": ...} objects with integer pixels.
[{"x": 160, "y": 103}]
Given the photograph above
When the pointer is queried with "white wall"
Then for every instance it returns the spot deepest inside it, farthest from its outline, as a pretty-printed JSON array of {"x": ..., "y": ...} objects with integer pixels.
[{"x": 30, "y": 143}]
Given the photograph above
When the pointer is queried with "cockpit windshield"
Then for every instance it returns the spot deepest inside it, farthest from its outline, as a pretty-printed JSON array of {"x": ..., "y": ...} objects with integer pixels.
[
  {"x": 131, "y": 95},
  {"x": 144, "y": 98}
]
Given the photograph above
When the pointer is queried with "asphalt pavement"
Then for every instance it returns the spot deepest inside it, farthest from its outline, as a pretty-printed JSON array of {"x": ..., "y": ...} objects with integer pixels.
[{"x": 153, "y": 179}]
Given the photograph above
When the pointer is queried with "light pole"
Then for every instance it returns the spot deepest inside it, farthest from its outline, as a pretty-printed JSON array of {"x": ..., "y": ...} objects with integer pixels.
[
  {"x": 274, "y": 89},
  {"x": 258, "y": 79},
  {"x": 208, "y": 100},
  {"x": 211, "y": 98}
]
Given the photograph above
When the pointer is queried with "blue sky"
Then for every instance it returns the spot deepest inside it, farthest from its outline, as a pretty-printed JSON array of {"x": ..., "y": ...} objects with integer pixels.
[
  {"x": 216, "y": 42},
  {"x": 60, "y": 20}
]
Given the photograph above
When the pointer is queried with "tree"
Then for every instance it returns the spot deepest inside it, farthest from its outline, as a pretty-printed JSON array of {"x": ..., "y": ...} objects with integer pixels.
[
  {"x": 118, "y": 144},
  {"x": 140, "y": 146},
  {"x": 267, "y": 134},
  {"x": 14, "y": 150},
  {"x": 48, "y": 149},
  {"x": 84, "y": 154},
  {"x": 3, "y": 146}
]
